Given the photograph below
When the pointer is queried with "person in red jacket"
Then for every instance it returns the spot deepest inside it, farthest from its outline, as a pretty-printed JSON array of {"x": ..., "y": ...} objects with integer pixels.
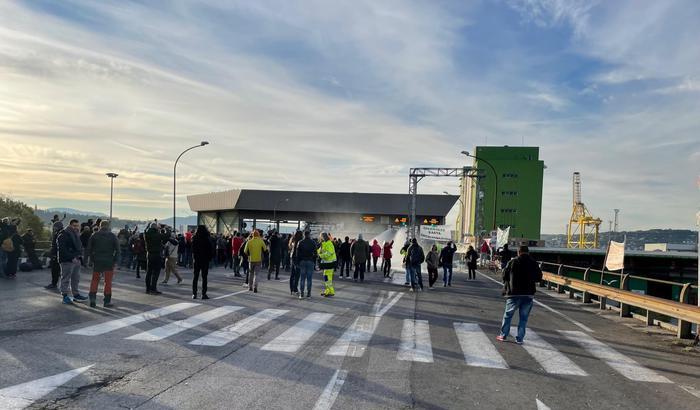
[
  {"x": 376, "y": 251},
  {"x": 386, "y": 258},
  {"x": 236, "y": 244}
]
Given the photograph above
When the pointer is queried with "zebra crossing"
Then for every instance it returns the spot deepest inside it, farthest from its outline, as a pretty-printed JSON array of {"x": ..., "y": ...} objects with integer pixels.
[{"x": 415, "y": 345}]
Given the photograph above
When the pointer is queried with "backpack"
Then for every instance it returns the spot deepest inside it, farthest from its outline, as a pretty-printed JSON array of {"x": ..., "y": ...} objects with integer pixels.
[
  {"x": 7, "y": 245},
  {"x": 416, "y": 257}
]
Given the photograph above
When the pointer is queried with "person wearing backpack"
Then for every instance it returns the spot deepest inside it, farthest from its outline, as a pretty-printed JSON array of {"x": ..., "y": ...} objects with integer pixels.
[
  {"x": 520, "y": 278},
  {"x": 414, "y": 258}
]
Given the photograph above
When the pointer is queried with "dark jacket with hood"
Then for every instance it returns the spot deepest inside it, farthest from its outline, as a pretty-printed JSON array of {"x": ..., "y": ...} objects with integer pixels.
[
  {"x": 520, "y": 276},
  {"x": 103, "y": 250}
]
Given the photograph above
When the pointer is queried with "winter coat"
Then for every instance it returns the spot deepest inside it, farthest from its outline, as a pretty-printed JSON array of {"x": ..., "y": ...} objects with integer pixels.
[
  {"x": 471, "y": 258},
  {"x": 447, "y": 255},
  {"x": 236, "y": 244},
  {"x": 520, "y": 276},
  {"x": 306, "y": 250},
  {"x": 69, "y": 245},
  {"x": 376, "y": 250},
  {"x": 360, "y": 251},
  {"x": 415, "y": 255},
  {"x": 432, "y": 259},
  {"x": 327, "y": 252},
  {"x": 345, "y": 251},
  {"x": 387, "y": 250},
  {"x": 154, "y": 241},
  {"x": 254, "y": 248},
  {"x": 202, "y": 249},
  {"x": 103, "y": 250}
]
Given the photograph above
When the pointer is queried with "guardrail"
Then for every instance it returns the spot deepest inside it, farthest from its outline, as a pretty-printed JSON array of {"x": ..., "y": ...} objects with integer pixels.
[{"x": 684, "y": 313}]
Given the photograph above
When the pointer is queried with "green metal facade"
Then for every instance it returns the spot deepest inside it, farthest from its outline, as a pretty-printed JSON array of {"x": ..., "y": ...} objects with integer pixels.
[{"x": 519, "y": 202}]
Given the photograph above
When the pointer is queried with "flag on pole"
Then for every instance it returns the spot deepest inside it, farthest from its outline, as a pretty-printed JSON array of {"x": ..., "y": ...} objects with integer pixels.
[
  {"x": 502, "y": 237},
  {"x": 615, "y": 257}
]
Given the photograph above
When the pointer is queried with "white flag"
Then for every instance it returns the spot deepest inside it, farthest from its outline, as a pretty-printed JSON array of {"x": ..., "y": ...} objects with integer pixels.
[
  {"x": 615, "y": 259},
  {"x": 502, "y": 237}
]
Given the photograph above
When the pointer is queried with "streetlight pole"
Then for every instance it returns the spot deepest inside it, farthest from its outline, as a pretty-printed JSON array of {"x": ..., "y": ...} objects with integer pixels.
[
  {"x": 274, "y": 212},
  {"x": 201, "y": 144},
  {"x": 495, "y": 184},
  {"x": 111, "y": 176}
]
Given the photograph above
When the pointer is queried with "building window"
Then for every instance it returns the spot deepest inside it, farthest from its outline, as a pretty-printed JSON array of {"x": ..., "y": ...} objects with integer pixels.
[
  {"x": 510, "y": 175},
  {"x": 509, "y": 193},
  {"x": 509, "y": 211}
]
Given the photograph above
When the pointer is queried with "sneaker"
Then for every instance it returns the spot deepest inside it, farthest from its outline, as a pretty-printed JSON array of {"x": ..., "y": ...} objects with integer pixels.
[
  {"x": 67, "y": 300},
  {"x": 245, "y": 284},
  {"x": 406, "y": 284},
  {"x": 205, "y": 297},
  {"x": 255, "y": 290},
  {"x": 517, "y": 341},
  {"x": 301, "y": 295},
  {"x": 501, "y": 338},
  {"x": 410, "y": 289},
  {"x": 194, "y": 296},
  {"x": 308, "y": 295},
  {"x": 50, "y": 286},
  {"x": 156, "y": 292},
  {"x": 163, "y": 283},
  {"x": 179, "y": 281},
  {"x": 79, "y": 298}
]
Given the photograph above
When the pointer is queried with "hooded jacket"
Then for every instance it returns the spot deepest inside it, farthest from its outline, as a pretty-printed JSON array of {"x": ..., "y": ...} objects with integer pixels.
[
  {"x": 103, "y": 250},
  {"x": 376, "y": 249},
  {"x": 520, "y": 276},
  {"x": 360, "y": 251}
]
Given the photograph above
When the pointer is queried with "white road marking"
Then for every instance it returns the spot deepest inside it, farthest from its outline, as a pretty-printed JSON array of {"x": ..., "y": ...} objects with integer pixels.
[
  {"x": 415, "y": 342},
  {"x": 295, "y": 337},
  {"x": 231, "y": 294},
  {"x": 542, "y": 406},
  {"x": 23, "y": 395},
  {"x": 692, "y": 390},
  {"x": 389, "y": 305},
  {"x": 330, "y": 393},
  {"x": 354, "y": 341},
  {"x": 174, "y": 328},
  {"x": 112, "y": 325},
  {"x": 579, "y": 324},
  {"x": 551, "y": 360},
  {"x": 621, "y": 363},
  {"x": 230, "y": 333},
  {"x": 477, "y": 348}
]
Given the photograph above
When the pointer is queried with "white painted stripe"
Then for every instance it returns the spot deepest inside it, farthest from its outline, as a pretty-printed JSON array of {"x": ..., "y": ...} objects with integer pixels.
[
  {"x": 692, "y": 390},
  {"x": 621, "y": 363},
  {"x": 112, "y": 325},
  {"x": 174, "y": 328},
  {"x": 230, "y": 333},
  {"x": 415, "y": 342},
  {"x": 542, "y": 406},
  {"x": 295, "y": 337},
  {"x": 378, "y": 303},
  {"x": 23, "y": 395},
  {"x": 231, "y": 294},
  {"x": 330, "y": 393},
  {"x": 390, "y": 304},
  {"x": 551, "y": 360},
  {"x": 354, "y": 341},
  {"x": 477, "y": 348},
  {"x": 579, "y": 324}
]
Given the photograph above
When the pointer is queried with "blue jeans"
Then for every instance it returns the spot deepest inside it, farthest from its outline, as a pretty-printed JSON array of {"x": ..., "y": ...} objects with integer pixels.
[
  {"x": 524, "y": 305},
  {"x": 408, "y": 274},
  {"x": 445, "y": 269},
  {"x": 306, "y": 273},
  {"x": 416, "y": 277}
]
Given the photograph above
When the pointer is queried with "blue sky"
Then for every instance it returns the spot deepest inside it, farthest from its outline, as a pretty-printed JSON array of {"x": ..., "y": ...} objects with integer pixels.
[{"x": 289, "y": 93}]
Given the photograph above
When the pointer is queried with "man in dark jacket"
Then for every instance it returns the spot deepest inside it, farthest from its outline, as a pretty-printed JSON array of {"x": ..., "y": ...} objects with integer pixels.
[
  {"x": 275, "y": 255},
  {"x": 446, "y": 259},
  {"x": 305, "y": 255},
  {"x": 520, "y": 277},
  {"x": 360, "y": 254},
  {"x": 345, "y": 258},
  {"x": 70, "y": 255},
  {"x": 29, "y": 244},
  {"x": 414, "y": 258},
  {"x": 103, "y": 254},
  {"x": 154, "y": 247}
]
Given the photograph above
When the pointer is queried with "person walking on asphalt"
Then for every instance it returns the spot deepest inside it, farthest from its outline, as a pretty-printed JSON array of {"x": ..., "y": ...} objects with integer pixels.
[
  {"x": 103, "y": 255},
  {"x": 446, "y": 259},
  {"x": 254, "y": 248},
  {"x": 275, "y": 255},
  {"x": 376, "y": 251},
  {"x": 360, "y": 255},
  {"x": 520, "y": 277},
  {"x": 171, "y": 249},
  {"x": 154, "y": 246},
  {"x": 328, "y": 263},
  {"x": 471, "y": 257},
  {"x": 345, "y": 258},
  {"x": 202, "y": 252},
  {"x": 386, "y": 258},
  {"x": 305, "y": 255},
  {"x": 414, "y": 258},
  {"x": 432, "y": 259},
  {"x": 70, "y": 255},
  {"x": 294, "y": 274}
]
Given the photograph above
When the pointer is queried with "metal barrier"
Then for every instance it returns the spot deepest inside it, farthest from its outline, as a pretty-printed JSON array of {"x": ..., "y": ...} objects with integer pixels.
[{"x": 685, "y": 313}]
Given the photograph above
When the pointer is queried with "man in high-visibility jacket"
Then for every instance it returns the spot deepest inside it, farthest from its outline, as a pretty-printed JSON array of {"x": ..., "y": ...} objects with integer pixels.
[{"x": 328, "y": 261}]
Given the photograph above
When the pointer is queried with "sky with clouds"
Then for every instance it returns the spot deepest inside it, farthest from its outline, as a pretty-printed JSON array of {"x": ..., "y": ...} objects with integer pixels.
[{"x": 346, "y": 96}]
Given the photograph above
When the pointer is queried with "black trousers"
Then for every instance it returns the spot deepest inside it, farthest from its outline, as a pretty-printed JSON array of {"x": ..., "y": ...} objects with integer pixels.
[
  {"x": 345, "y": 266},
  {"x": 202, "y": 268},
  {"x": 374, "y": 259},
  {"x": 55, "y": 271},
  {"x": 294, "y": 278},
  {"x": 387, "y": 267},
  {"x": 432, "y": 276},
  {"x": 153, "y": 267},
  {"x": 359, "y": 270},
  {"x": 472, "y": 272}
]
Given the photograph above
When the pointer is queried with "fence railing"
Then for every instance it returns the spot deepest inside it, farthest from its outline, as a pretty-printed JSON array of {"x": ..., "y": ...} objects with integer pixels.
[{"x": 593, "y": 283}]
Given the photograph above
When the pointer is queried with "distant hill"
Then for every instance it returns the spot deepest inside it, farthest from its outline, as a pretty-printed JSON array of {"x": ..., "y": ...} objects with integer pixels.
[
  {"x": 46, "y": 214},
  {"x": 75, "y": 212}
]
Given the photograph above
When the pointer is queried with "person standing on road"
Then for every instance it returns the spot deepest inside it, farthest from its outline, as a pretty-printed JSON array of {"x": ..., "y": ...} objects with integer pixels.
[
  {"x": 254, "y": 248},
  {"x": 432, "y": 259},
  {"x": 505, "y": 255},
  {"x": 520, "y": 278},
  {"x": 414, "y": 258},
  {"x": 386, "y": 258},
  {"x": 294, "y": 274},
  {"x": 29, "y": 244},
  {"x": 202, "y": 252},
  {"x": 376, "y": 251},
  {"x": 328, "y": 263},
  {"x": 12, "y": 246},
  {"x": 345, "y": 257},
  {"x": 236, "y": 243},
  {"x": 103, "y": 255},
  {"x": 360, "y": 255},
  {"x": 55, "y": 266},
  {"x": 484, "y": 253},
  {"x": 305, "y": 255},
  {"x": 171, "y": 250},
  {"x": 471, "y": 257},
  {"x": 154, "y": 246},
  {"x": 404, "y": 262},
  {"x": 244, "y": 259},
  {"x": 446, "y": 259},
  {"x": 275, "y": 255},
  {"x": 70, "y": 255}
]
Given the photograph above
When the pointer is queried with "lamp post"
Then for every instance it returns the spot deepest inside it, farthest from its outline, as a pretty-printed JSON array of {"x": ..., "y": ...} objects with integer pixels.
[
  {"x": 274, "y": 212},
  {"x": 495, "y": 184},
  {"x": 201, "y": 144},
  {"x": 111, "y": 176}
]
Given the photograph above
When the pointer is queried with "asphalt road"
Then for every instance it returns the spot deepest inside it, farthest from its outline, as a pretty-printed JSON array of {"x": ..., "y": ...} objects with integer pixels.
[{"x": 373, "y": 346}]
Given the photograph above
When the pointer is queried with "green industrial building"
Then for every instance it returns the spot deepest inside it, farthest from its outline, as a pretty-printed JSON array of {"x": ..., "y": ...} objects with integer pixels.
[{"x": 518, "y": 201}]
